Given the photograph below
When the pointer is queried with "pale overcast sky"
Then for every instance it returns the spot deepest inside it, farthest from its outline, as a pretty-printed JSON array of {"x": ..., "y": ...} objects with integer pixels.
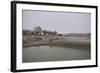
[{"x": 62, "y": 22}]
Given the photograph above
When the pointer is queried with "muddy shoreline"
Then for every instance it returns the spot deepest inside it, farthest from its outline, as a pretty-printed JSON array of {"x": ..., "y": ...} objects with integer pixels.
[{"x": 62, "y": 43}]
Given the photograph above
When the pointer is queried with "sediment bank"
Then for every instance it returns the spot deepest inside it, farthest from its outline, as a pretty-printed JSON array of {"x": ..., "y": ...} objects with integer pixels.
[{"x": 62, "y": 43}]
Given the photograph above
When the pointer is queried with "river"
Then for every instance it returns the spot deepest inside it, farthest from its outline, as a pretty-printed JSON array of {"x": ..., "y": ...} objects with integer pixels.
[{"x": 47, "y": 53}]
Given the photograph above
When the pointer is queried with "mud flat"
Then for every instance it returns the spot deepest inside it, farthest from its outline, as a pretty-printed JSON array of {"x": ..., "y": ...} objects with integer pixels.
[{"x": 68, "y": 42}]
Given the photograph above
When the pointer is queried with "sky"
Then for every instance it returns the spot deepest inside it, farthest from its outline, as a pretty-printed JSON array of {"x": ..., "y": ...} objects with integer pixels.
[{"x": 62, "y": 22}]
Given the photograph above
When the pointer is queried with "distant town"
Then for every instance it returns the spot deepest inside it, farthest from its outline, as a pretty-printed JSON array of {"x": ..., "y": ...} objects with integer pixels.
[{"x": 39, "y": 31}]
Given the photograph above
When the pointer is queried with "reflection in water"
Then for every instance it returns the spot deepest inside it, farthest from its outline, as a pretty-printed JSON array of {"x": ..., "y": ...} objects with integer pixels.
[{"x": 46, "y": 53}]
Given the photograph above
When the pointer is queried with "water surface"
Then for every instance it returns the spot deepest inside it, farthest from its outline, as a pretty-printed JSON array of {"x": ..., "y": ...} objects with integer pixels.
[{"x": 47, "y": 53}]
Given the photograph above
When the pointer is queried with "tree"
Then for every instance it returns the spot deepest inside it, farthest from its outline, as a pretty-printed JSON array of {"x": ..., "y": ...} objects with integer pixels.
[{"x": 37, "y": 30}]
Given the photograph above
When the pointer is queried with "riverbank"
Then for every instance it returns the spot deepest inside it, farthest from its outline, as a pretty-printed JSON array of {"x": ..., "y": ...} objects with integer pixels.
[{"x": 68, "y": 42}]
